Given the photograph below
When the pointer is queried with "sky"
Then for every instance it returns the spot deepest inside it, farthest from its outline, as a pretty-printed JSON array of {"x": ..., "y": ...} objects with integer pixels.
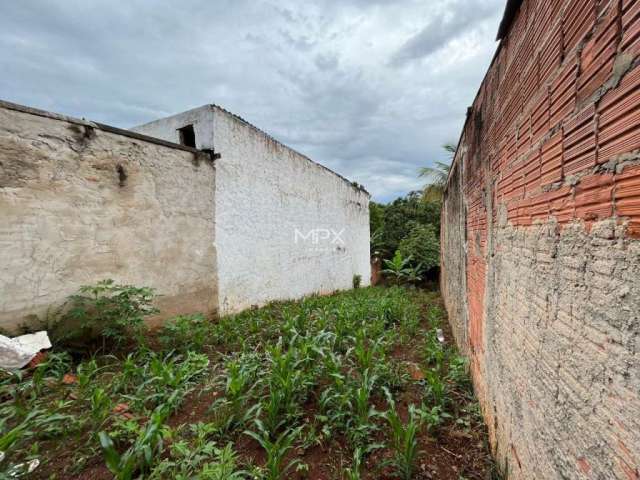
[{"x": 370, "y": 88}]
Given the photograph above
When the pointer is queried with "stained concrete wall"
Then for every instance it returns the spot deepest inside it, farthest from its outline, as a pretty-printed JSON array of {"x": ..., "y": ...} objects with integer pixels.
[
  {"x": 285, "y": 226},
  {"x": 541, "y": 242},
  {"x": 81, "y": 202}
]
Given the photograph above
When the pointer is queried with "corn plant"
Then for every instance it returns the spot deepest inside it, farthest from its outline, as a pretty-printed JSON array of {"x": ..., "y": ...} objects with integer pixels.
[
  {"x": 363, "y": 413},
  {"x": 436, "y": 388},
  {"x": 185, "y": 333},
  {"x": 130, "y": 372},
  {"x": 286, "y": 381},
  {"x": 353, "y": 472},
  {"x": 404, "y": 441},
  {"x": 276, "y": 450},
  {"x": 100, "y": 405},
  {"x": 434, "y": 352},
  {"x": 366, "y": 352},
  {"x": 140, "y": 456},
  {"x": 169, "y": 377},
  {"x": 86, "y": 373}
]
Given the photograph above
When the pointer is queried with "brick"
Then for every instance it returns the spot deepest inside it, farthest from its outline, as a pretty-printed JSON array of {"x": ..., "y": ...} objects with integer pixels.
[
  {"x": 579, "y": 142},
  {"x": 578, "y": 19},
  {"x": 619, "y": 117},
  {"x": 563, "y": 93}
]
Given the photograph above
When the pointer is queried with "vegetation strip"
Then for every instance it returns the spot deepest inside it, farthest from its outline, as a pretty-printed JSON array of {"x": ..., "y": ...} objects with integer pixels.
[{"x": 348, "y": 386}]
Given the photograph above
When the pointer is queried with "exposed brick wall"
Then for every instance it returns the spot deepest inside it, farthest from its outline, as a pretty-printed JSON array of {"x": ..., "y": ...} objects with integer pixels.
[{"x": 541, "y": 241}]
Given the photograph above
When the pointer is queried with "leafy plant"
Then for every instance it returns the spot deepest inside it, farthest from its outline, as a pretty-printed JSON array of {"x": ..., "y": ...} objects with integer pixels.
[
  {"x": 108, "y": 311},
  {"x": 223, "y": 467},
  {"x": 198, "y": 458},
  {"x": 400, "y": 270},
  {"x": 276, "y": 450}
]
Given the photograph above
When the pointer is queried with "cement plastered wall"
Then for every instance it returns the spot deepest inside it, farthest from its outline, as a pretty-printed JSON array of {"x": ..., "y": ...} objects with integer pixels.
[
  {"x": 285, "y": 226},
  {"x": 79, "y": 204},
  {"x": 200, "y": 118},
  {"x": 541, "y": 242},
  {"x": 265, "y": 193}
]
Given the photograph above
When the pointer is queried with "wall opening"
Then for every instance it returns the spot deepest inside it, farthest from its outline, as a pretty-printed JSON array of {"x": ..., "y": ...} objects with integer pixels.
[{"x": 187, "y": 136}]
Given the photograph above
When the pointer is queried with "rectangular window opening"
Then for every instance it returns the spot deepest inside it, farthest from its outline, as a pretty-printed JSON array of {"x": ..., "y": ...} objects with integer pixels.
[{"x": 187, "y": 136}]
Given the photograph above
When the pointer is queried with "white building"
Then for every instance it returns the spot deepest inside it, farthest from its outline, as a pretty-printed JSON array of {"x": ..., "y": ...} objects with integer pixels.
[{"x": 285, "y": 226}]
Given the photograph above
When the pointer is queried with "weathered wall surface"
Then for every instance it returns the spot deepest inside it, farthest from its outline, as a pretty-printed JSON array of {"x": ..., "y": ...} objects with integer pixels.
[
  {"x": 79, "y": 204},
  {"x": 285, "y": 226},
  {"x": 541, "y": 241},
  {"x": 265, "y": 193}
]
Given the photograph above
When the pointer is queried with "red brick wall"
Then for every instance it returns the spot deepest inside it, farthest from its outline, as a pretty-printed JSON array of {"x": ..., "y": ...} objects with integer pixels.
[{"x": 549, "y": 198}]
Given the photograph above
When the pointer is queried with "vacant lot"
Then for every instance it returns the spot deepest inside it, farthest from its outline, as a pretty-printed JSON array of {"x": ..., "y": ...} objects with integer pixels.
[{"x": 353, "y": 385}]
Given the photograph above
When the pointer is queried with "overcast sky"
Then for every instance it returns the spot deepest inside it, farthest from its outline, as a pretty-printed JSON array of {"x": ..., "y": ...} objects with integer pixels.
[{"x": 369, "y": 88}]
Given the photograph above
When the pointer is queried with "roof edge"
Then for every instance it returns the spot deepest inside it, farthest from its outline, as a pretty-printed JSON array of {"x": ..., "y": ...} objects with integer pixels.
[
  {"x": 100, "y": 126},
  {"x": 510, "y": 11},
  {"x": 238, "y": 118}
]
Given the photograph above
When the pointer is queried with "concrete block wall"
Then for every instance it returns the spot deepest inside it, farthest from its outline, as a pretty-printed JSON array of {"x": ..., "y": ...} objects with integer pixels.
[{"x": 541, "y": 241}]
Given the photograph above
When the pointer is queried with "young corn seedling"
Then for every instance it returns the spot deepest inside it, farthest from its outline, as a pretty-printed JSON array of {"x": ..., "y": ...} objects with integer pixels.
[
  {"x": 363, "y": 412},
  {"x": 140, "y": 456},
  {"x": 353, "y": 472},
  {"x": 286, "y": 382},
  {"x": 276, "y": 450},
  {"x": 436, "y": 388},
  {"x": 404, "y": 441},
  {"x": 239, "y": 382},
  {"x": 100, "y": 406}
]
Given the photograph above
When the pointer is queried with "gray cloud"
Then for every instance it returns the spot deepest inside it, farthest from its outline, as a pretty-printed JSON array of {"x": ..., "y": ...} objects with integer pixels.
[
  {"x": 320, "y": 76},
  {"x": 451, "y": 21}
]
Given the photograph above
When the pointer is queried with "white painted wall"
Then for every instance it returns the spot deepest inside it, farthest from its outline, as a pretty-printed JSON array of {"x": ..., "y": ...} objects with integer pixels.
[{"x": 265, "y": 193}]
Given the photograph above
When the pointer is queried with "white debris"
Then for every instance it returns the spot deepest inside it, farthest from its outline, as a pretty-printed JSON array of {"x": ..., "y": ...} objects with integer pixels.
[
  {"x": 23, "y": 468},
  {"x": 440, "y": 335},
  {"x": 16, "y": 352}
]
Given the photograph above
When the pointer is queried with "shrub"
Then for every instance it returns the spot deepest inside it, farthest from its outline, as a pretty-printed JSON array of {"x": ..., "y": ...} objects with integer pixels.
[
  {"x": 106, "y": 311},
  {"x": 422, "y": 246}
]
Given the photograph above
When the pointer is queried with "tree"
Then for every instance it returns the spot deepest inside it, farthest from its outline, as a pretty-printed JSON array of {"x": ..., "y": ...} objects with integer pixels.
[
  {"x": 399, "y": 217},
  {"x": 438, "y": 176},
  {"x": 422, "y": 247}
]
